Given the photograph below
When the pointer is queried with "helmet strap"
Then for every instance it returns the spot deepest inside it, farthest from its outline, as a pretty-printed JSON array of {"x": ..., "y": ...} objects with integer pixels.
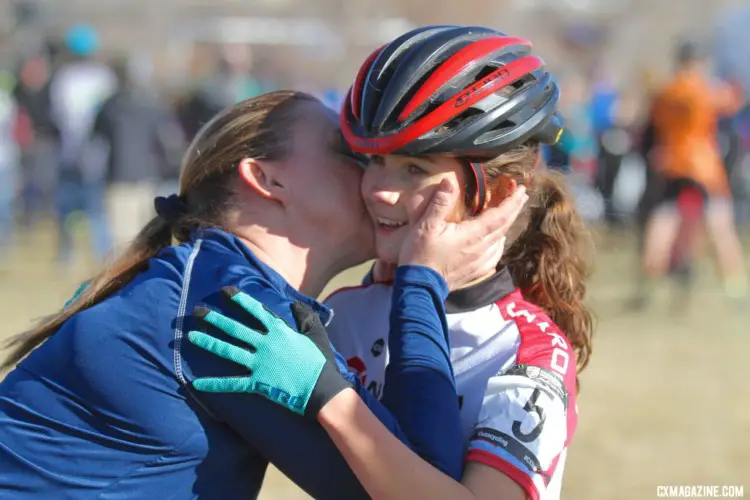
[{"x": 480, "y": 181}]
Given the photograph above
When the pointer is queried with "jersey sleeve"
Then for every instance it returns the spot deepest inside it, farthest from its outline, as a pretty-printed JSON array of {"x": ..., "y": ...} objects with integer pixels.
[
  {"x": 528, "y": 413},
  {"x": 419, "y": 380},
  {"x": 407, "y": 321}
]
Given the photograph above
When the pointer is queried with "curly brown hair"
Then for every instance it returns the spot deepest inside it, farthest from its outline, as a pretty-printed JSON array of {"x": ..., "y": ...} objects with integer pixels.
[{"x": 549, "y": 253}]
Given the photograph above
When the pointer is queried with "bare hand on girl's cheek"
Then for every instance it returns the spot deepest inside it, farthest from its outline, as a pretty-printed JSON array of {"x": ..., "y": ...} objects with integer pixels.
[{"x": 461, "y": 252}]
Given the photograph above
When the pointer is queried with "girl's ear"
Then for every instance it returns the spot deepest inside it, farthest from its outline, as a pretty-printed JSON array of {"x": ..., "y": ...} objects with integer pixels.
[{"x": 504, "y": 188}]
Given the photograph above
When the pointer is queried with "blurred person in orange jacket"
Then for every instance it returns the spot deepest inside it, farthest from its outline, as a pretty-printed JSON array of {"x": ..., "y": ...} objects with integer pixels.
[{"x": 687, "y": 155}]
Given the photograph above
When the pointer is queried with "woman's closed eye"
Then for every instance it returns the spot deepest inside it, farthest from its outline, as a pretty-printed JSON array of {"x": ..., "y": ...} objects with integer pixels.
[
  {"x": 340, "y": 146},
  {"x": 359, "y": 158},
  {"x": 377, "y": 160}
]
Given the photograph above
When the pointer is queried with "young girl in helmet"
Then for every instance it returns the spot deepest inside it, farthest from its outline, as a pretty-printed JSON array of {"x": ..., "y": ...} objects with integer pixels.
[{"x": 468, "y": 107}]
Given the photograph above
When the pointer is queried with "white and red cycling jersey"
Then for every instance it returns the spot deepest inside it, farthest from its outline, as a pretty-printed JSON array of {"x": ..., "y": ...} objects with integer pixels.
[{"x": 515, "y": 374}]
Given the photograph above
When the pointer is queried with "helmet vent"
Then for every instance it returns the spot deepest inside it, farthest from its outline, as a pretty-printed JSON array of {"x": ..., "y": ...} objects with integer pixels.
[
  {"x": 462, "y": 118},
  {"x": 484, "y": 72},
  {"x": 505, "y": 124},
  {"x": 515, "y": 87}
]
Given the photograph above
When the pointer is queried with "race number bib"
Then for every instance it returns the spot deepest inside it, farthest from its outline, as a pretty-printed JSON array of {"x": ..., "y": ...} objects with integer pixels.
[{"x": 523, "y": 419}]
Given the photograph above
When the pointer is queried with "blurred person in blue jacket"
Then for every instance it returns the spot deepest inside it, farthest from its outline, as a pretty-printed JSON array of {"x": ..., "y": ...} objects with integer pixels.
[
  {"x": 730, "y": 51},
  {"x": 612, "y": 114},
  {"x": 579, "y": 139}
]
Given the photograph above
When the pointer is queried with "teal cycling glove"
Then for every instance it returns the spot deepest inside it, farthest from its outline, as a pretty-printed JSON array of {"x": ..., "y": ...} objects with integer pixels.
[{"x": 295, "y": 370}]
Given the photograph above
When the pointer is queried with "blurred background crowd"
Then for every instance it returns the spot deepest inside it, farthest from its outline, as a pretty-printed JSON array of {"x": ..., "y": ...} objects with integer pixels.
[
  {"x": 98, "y": 100},
  {"x": 164, "y": 68}
]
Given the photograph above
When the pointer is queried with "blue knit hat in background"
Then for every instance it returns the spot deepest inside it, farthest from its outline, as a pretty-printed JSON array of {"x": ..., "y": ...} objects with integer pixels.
[{"x": 82, "y": 40}]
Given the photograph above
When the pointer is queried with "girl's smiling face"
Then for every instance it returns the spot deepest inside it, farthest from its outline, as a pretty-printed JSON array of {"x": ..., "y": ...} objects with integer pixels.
[{"x": 396, "y": 190}]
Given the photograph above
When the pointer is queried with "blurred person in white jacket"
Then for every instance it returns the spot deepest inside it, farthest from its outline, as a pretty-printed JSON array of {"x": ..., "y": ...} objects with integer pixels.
[{"x": 78, "y": 89}]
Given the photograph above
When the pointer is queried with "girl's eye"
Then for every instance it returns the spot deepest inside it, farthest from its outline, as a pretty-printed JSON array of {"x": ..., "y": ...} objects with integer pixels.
[{"x": 415, "y": 170}]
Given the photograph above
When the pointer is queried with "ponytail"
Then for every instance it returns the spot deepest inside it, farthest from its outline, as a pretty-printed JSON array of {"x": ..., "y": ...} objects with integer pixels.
[
  {"x": 255, "y": 128},
  {"x": 156, "y": 235},
  {"x": 550, "y": 261}
]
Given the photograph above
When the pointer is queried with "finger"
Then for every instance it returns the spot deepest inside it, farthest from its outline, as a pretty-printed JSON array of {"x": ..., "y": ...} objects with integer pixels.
[
  {"x": 229, "y": 326},
  {"x": 501, "y": 217},
  {"x": 252, "y": 306},
  {"x": 304, "y": 317},
  {"x": 485, "y": 233},
  {"x": 495, "y": 254},
  {"x": 312, "y": 328},
  {"x": 485, "y": 261},
  {"x": 441, "y": 204},
  {"x": 222, "y": 349},
  {"x": 511, "y": 204},
  {"x": 498, "y": 249},
  {"x": 512, "y": 216},
  {"x": 225, "y": 384},
  {"x": 494, "y": 221}
]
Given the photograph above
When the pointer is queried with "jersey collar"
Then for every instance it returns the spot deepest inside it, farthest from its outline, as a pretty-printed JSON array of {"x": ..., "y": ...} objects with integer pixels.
[{"x": 481, "y": 294}]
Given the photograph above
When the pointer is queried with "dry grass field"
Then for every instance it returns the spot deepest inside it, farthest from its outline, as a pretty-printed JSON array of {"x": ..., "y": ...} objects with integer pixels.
[{"x": 665, "y": 400}]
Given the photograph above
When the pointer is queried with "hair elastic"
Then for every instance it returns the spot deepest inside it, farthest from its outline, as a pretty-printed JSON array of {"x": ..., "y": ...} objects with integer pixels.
[{"x": 170, "y": 208}]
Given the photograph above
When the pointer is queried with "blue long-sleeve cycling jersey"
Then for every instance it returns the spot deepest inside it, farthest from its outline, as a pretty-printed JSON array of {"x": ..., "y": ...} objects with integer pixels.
[{"x": 104, "y": 408}]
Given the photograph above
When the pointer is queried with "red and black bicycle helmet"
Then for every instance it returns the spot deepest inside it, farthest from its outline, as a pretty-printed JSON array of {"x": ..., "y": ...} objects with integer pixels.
[{"x": 469, "y": 92}]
